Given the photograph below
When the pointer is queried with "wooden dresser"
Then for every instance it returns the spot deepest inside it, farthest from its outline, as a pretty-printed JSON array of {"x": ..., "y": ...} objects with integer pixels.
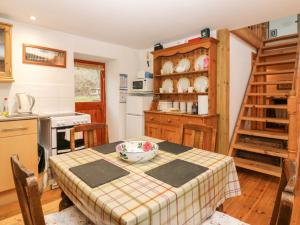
[
  {"x": 16, "y": 137},
  {"x": 167, "y": 125}
]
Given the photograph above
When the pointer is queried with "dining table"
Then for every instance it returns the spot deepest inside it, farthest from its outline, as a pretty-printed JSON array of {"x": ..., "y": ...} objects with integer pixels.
[{"x": 137, "y": 197}]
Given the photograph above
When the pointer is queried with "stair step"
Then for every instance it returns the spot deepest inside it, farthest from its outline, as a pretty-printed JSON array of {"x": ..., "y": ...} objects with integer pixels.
[
  {"x": 272, "y": 63},
  {"x": 285, "y": 37},
  {"x": 275, "y": 72},
  {"x": 272, "y": 82},
  {"x": 267, "y": 150},
  {"x": 281, "y": 45},
  {"x": 258, "y": 166},
  {"x": 274, "y": 94},
  {"x": 266, "y": 106},
  {"x": 278, "y": 53},
  {"x": 264, "y": 133},
  {"x": 266, "y": 119}
]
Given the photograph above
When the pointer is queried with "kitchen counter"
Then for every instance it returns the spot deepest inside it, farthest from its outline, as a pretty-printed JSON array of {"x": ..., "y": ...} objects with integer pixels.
[{"x": 15, "y": 117}]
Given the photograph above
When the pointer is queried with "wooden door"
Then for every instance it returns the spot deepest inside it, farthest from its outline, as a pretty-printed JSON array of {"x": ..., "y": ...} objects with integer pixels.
[
  {"x": 171, "y": 134},
  {"x": 27, "y": 154},
  {"x": 153, "y": 130},
  {"x": 90, "y": 91}
]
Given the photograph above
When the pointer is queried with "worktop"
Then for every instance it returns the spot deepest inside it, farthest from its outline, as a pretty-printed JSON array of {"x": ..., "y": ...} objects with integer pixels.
[{"x": 18, "y": 117}]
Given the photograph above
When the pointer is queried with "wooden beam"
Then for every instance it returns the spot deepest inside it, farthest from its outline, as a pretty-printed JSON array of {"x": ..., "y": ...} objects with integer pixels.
[
  {"x": 223, "y": 61},
  {"x": 248, "y": 36}
]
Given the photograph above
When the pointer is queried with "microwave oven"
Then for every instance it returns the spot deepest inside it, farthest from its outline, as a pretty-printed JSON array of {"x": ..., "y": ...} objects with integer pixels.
[{"x": 142, "y": 85}]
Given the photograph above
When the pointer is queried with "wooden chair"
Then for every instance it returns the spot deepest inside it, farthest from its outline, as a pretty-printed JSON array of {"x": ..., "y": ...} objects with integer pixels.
[
  {"x": 203, "y": 136},
  {"x": 284, "y": 202},
  {"x": 30, "y": 203},
  {"x": 89, "y": 134}
]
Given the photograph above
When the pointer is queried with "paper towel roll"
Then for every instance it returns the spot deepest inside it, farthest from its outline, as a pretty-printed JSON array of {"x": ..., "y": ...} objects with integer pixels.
[{"x": 202, "y": 104}]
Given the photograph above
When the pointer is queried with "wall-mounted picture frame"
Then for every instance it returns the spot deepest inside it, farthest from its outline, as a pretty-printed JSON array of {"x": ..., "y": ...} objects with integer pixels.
[{"x": 44, "y": 56}]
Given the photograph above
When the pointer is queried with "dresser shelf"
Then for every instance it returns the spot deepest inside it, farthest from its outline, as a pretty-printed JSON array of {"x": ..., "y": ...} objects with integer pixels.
[{"x": 200, "y": 72}]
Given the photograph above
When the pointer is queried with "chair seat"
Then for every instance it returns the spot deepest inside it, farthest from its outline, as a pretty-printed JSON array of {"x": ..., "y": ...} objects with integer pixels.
[
  {"x": 70, "y": 216},
  {"x": 219, "y": 218}
]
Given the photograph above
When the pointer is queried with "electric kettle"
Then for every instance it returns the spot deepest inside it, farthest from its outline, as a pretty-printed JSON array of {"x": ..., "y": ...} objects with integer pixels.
[{"x": 25, "y": 103}]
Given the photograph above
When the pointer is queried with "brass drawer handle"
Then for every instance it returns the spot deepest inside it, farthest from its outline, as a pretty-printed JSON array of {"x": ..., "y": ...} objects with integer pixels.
[
  {"x": 169, "y": 121},
  {"x": 14, "y": 129},
  {"x": 151, "y": 118}
]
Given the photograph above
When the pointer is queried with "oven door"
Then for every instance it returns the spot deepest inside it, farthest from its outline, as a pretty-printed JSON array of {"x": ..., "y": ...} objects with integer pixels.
[{"x": 62, "y": 136}]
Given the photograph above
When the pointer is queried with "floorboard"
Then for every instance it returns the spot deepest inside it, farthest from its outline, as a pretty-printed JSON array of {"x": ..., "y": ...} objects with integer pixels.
[{"x": 254, "y": 206}]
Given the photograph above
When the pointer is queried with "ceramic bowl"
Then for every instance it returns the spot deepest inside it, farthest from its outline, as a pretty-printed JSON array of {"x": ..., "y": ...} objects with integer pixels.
[{"x": 137, "y": 151}]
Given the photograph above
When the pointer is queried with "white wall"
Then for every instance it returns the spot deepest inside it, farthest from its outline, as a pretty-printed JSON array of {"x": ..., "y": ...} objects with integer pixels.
[
  {"x": 284, "y": 26},
  {"x": 53, "y": 87},
  {"x": 240, "y": 69}
]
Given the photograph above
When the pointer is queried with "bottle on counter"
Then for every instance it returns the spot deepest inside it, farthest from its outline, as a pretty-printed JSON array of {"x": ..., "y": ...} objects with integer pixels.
[
  {"x": 5, "y": 107},
  {"x": 194, "y": 108}
]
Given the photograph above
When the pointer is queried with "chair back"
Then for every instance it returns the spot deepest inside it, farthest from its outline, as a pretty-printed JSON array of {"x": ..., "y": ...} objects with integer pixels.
[
  {"x": 89, "y": 134},
  {"x": 202, "y": 136},
  {"x": 28, "y": 193},
  {"x": 284, "y": 202}
]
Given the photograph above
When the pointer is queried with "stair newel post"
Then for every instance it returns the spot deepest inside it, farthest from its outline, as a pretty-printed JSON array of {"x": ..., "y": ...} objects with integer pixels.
[{"x": 292, "y": 113}]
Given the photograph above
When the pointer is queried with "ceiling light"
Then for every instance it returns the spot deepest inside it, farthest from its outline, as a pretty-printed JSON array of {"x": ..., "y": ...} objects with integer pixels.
[{"x": 32, "y": 17}]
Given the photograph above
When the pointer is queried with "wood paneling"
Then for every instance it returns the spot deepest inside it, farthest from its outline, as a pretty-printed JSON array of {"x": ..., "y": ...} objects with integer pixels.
[
  {"x": 223, "y": 63},
  {"x": 248, "y": 36}
]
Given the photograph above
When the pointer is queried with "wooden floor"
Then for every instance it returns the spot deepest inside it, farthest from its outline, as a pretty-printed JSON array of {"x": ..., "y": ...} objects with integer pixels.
[{"x": 254, "y": 206}]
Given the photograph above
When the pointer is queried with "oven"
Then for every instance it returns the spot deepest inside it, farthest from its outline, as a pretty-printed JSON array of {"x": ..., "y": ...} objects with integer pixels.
[{"x": 61, "y": 140}]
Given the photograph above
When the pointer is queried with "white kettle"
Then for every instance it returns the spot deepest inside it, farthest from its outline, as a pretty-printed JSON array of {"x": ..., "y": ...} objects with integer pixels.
[{"x": 25, "y": 103}]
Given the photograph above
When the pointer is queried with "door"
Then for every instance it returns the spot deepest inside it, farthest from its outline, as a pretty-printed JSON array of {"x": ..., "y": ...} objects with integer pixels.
[
  {"x": 153, "y": 130},
  {"x": 90, "y": 91},
  {"x": 171, "y": 134}
]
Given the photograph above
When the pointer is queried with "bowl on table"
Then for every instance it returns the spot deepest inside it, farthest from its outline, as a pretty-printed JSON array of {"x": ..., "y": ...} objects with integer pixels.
[{"x": 137, "y": 151}]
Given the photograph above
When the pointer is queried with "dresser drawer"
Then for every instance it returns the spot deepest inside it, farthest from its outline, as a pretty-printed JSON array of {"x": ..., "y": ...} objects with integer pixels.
[
  {"x": 20, "y": 127},
  {"x": 171, "y": 120},
  {"x": 152, "y": 117}
]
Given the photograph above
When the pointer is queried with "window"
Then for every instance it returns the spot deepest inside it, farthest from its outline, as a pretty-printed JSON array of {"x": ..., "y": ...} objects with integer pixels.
[{"x": 87, "y": 82}]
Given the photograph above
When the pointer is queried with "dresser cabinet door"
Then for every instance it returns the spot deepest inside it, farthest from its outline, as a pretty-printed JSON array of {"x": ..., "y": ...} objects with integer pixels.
[
  {"x": 25, "y": 146},
  {"x": 171, "y": 134},
  {"x": 153, "y": 130}
]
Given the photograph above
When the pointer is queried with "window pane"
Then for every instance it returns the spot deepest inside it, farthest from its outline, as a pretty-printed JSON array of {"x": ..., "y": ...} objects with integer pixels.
[
  {"x": 87, "y": 84},
  {"x": 2, "y": 63}
]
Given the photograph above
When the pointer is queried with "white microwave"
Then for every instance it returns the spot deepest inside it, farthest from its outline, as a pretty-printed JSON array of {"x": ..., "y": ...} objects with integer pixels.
[{"x": 142, "y": 85}]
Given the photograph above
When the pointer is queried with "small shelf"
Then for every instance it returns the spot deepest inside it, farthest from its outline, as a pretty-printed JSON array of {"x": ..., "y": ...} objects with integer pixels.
[
  {"x": 182, "y": 74},
  {"x": 194, "y": 93}
]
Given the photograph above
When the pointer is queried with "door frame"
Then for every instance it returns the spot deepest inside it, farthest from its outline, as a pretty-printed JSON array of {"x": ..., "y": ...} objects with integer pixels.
[{"x": 103, "y": 84}]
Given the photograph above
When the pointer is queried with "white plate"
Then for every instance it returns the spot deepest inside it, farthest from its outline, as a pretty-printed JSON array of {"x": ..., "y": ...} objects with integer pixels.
[
  {"x": 201, "y": 84},
  {"x": 183, "y": 84},
  {"x": 167, "y": 68},
  {"x": 167, "y": 85},
  {"x": 201, "y": 63},
  {"x": 183, "y": 65}
]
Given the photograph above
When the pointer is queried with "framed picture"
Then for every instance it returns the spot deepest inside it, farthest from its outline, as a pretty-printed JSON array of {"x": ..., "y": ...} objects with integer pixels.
[{"x": 33, "y": 54}]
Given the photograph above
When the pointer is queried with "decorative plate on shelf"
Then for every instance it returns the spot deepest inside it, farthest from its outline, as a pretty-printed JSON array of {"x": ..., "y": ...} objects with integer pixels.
[
  {"x": 183, "y": 65},
  {"x": 201, "y": 62},
  {"x": 167, "y": 68},
  {"x": 201, "y": 84},
  {"x": 183, "y": 84},
  {"x": 167, "y": 85}
]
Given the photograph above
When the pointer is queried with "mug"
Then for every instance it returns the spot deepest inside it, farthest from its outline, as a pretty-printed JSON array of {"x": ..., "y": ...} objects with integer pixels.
[
  {"x": 161, "y": 90},
  {"x": 190, "y": 89}
]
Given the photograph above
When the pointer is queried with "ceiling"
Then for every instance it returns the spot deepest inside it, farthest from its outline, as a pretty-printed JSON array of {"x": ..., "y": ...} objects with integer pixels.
[{"x": 142, "y": 23}]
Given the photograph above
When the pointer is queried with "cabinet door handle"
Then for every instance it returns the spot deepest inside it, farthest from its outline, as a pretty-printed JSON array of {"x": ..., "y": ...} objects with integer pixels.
[
  {"x": 14, "y": 129},
  {"x": 151, "y": 118},
  {"x": 169, "y": 121}
]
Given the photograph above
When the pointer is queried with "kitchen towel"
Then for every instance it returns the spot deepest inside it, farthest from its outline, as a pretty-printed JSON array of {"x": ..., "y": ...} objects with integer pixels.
[
  {"x": 177, "y": 172},
  {"x": 172, "y": 147},
  {"x": 107, "y": 148},
  {"x": 98, "y": 172}
]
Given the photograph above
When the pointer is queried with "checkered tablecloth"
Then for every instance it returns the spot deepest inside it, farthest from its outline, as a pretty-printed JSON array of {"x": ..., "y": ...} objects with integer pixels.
[{"x": 141, "y": 199}]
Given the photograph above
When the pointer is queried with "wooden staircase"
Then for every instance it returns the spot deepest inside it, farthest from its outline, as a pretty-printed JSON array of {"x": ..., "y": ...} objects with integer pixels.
[{"x": 261, "y": 136}]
